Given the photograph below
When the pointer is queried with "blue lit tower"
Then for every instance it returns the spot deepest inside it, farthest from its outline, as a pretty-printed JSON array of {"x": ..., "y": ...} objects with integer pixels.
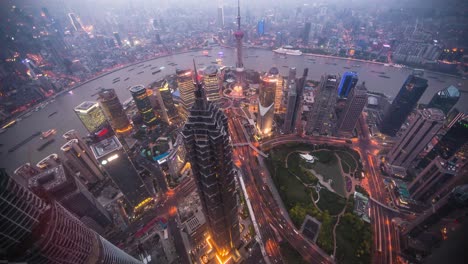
[
  {"x": 348, "y": 82},
  {"x": 403, "y": 104},
  {"x": 261, "y": 27},
  {"x": 239, "y": 64},
  {"x": 208, "y": 145}
]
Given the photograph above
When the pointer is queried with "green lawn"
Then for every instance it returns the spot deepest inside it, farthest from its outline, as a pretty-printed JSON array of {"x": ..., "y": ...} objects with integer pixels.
[
  {"x": 297, "y": 166},
  {"x": 330, "y": 170},
  {"x": 354, "y": 240},
  {"x": 348, "y": 158},
  {"x": 291, "y": 189},
  {"x": 331, "y": 201}
]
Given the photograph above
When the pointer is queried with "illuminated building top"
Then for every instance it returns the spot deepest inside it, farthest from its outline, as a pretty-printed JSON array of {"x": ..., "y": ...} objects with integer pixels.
[{"x": 106, "y": 146}]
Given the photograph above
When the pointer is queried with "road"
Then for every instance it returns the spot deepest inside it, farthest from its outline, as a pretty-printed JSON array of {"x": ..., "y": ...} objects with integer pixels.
[
  {"x": 386, "y": 238},
  {"x": 265, "y": 206}
]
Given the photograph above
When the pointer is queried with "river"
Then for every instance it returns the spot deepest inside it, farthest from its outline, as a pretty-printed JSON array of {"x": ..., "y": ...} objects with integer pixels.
[{"x": 256, "y": 59}]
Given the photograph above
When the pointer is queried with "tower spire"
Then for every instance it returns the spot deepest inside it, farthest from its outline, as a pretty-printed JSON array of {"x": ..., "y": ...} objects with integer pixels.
[
  {"x": 200, "y": 97},
  {"x": 238, "y": 15}
]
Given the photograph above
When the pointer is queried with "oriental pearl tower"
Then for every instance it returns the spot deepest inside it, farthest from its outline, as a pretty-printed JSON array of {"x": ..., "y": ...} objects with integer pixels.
[{"x": 239, "y": 64}]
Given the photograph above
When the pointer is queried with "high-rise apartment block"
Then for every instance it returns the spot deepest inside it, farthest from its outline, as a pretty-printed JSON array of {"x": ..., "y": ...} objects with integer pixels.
[
  {"x": 39, "y": 230},
  {"x": 208, "y": 146},
  {"x": 289, "y": 124},
  {"x": 356, "y": 102},
  {"x": 322, "y": 114},
  {"x": 403, "y": 105},
  {"x": 423, "y": 127}
]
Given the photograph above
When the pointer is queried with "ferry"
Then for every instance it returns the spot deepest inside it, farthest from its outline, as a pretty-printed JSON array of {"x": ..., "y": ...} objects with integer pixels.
[
  {"x": 43, "y": 146},
  {"x": 288, "y": 50},
  {"x": 116, "y": 81},
  {"x": 155, "y": 72},
  {"x": 386, "y": 65},
  {"x": 384, "y": 76},
  {"x": 53, "y": 113},
  {"x": 131, "y": 69},
  {"x": 127, "y": 78},
  {"x": 140, "y": 72},
  {"x": 48, "y": 133}
]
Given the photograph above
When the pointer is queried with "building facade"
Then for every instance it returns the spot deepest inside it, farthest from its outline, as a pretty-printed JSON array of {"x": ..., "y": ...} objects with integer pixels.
[
  {"x": 211, "y": 82},
  {"x": 143, "y": 105},
  {"x": 290, "y": 117},
  {"x": 184, "y": 82},
  {"x": 445, "y": 99},
  {"x": 38, "y": 230},
  {"x": 356, "y": 102},
  {"x": 322, "y": 117},
  {"x": 114, "y": 111},
  {"x": 63, "y": 187},
  {"x": 208, "y": 146},
  {"x": 403, "y": 105},
  {"x": 115, "y": 161},
  {"x": 423, "y": 127},
  {"x": 91, "y": 116},
  {"x": 347, "y": 84},
  {"x": 266, "y": 102}
]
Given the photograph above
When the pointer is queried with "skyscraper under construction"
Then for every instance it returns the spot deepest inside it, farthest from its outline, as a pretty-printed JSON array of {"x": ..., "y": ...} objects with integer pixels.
[{"x": 209, "y": 150}]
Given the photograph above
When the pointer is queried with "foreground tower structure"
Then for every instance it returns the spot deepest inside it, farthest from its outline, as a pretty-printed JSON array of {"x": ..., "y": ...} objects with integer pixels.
[
  {"x": 39, "y": 230},
  {"x": 209, "y": 150},
  {"x": 114, "y": 111},
  {"x": 239, "y": 63}
]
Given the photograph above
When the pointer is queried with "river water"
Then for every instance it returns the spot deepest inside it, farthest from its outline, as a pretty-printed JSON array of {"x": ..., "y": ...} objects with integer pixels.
[{"x": 256, "y": 59}]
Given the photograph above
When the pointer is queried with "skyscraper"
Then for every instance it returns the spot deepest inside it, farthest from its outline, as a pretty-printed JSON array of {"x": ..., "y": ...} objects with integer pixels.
[
  {"x": 321, "y": 117},
  {"x": 423, "y": 127},
  {"x": 39, "y": 230},
  {"x": 403, "y": 104},
  {"x": 70, "y": 193},
  {"x": 26, "y": 171},
  {"x": 266, "y": 102},
  {"x": 184, "y": 82},
  {"x": 306, "y": 33},
  {"x": 111, "y": 155},
  {"x": 211, "y": 82},
  {"x": 354, "y": 105},
  {"x": 143, "y": 105},
  {"x": 440, "y": 221},
  {"x": 289, "y": 124},
  {"x": 445, "y": 99},
  {"x": 449, "y": 144},
  {"x": 209, "y": 150},
  {"x": 239, "y": 62},
  {"x": 166, "y": 96},
  {"x": 82, "y": 160},
  {"x": 91, "y": 116},
  {"x": 155, "y": 87},
  {"x": 347, "y": 84},
  {"x": 117, "y": 39},
  {"x": 114, "y": 111},
  {"x": 220, "y": 19},
  {"x": 431, "y": 179},
  {"x": 75, "y": 22},
  {"x": 261, "y": 27}
]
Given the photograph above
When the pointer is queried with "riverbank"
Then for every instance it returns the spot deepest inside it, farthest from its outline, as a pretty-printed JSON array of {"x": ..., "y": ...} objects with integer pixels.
[{"x": 102, "y": 74}]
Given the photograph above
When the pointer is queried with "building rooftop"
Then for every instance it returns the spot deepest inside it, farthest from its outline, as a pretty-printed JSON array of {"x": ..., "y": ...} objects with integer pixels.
[
  {"x": 48, "y": 179},
  {"x": 105, "y": 147},
  {"x": 137, "y": 88},
  {"x": 433, "y": 114},
  {"x": 86, "y": 106}
]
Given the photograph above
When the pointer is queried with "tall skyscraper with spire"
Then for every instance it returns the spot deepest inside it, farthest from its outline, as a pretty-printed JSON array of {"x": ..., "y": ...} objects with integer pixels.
[
  {"x": 209, "y": 151},
  {"x": 239, "y": 34}
]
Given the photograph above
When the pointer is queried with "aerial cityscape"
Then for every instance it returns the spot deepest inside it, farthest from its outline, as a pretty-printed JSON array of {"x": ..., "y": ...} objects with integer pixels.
[{"x": 231, "y": 131}]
